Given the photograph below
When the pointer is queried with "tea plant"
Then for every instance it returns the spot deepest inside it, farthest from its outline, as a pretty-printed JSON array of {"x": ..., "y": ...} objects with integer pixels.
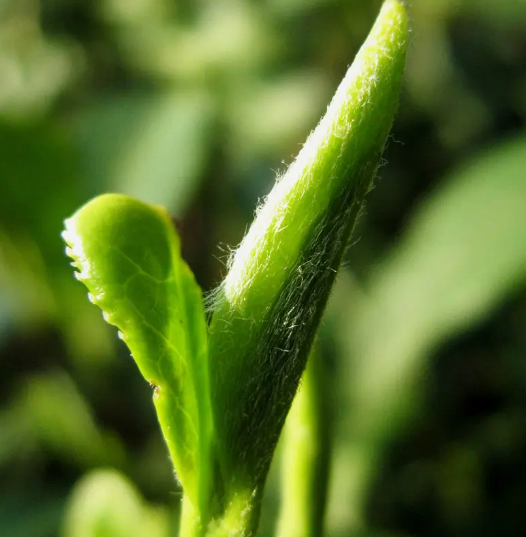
[{"x": 222, "y": 391}]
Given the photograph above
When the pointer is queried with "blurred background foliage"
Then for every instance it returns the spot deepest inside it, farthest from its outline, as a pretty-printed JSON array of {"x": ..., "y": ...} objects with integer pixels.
[{"x": 197, "y": 105}]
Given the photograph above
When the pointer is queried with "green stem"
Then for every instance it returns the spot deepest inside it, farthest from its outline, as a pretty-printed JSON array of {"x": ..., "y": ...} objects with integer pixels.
[
  {"x": 239, "y": 519},
  {"x": 306, "y": 455}
]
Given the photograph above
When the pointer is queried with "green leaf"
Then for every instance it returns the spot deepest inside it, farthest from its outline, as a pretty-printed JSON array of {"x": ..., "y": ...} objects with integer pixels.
[
  {"x": 269, "y": 307},
  {"x": 128, "y": 255},
  {"x": 150, "y": 146}
]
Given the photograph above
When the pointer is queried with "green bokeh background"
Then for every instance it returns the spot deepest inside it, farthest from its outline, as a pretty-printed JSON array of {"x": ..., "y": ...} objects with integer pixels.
[{"x": 198, "y": 105}]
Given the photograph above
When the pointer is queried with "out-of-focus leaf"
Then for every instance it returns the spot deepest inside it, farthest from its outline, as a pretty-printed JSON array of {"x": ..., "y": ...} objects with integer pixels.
[
  {"x": 505, "y": 12},
  {"x": 40, "y": 186},
  {"x": 226, "y": 42},
  {"x": 136, "y": 12},
  {"x": 463, "y": 254},
  {"x": 60, "y": 419},
  {"x": 105, "y": 504},
  {"x": 151, "y": 147},
  {"x": 34, "y": 68},
  {"x": 39, "y": 178},
  {"x": 16, "y": 436},
  {"x": 25, "y": 293},
  {"x": 268, "y": 117}
]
